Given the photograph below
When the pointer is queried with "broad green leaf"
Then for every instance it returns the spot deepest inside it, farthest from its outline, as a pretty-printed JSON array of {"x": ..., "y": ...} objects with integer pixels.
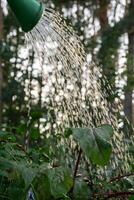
[
  {"x": 3, "y": 173},
  {"x": 5, "y": 164},
  {"x": 34, "y": 134},
  {"x": 15, "y": 190},
  {"x": 60, "y": 181},
  {"x": 28, "y": 175},
  {"x": 81, "y": 191},
  {"x": 95, "y": 143},
  {"x": 52, "y": 183},
  {"x": 3, "y": 134},
  {"x": 41, "y": 187},
  {"x": 27, "y": 172},
  {"x": 105, "y": 131},
  {"x": 13, "y": 179},
  {"x": 131, "y": 197}
]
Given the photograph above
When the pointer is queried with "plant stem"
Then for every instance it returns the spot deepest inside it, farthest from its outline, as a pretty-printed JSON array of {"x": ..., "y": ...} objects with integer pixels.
[
  {"x": 117, "y": 178},
  {"x": 114, "y": 194},
  {"x": 77, "y": 165},
  {"x": 118, "y": 194},
  {"x": 76, "y": 169}
]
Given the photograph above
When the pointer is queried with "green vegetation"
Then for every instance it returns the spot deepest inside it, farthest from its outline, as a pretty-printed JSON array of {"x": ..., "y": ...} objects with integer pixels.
[
  {"x": 74, "y": 164},
  {"x": 40, "y": 170}
]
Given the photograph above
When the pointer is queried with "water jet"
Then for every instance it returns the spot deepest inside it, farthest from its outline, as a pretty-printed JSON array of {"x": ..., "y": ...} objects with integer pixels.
[{"x": 74, "y": 86}]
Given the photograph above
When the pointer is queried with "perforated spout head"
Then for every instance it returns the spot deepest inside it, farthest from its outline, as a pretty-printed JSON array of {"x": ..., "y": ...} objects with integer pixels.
[{"x": 28, "y": 12}]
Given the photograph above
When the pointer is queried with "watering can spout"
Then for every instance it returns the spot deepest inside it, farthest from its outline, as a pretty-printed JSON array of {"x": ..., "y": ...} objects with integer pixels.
[{"x": 28, "y": 12}]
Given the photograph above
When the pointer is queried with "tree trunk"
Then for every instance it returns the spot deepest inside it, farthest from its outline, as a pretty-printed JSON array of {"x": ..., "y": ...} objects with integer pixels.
[
  {"x": 1, "y": 71},
  {"x": 106, "y": 51},
  {"x": 103, "y": 18},
  {"x": 128, "y": 103}
]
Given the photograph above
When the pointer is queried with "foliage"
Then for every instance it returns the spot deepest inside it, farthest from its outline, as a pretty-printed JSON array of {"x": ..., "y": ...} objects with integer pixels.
[
  {"x": 21, "y": 174},
  {"x": 95, "y": 143}
]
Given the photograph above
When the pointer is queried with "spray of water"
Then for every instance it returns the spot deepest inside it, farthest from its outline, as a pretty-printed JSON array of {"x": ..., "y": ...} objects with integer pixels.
[{"x": 71, "y": 87}]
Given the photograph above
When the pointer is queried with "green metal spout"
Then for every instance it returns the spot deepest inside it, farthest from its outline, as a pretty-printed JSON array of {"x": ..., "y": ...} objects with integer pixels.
[{"x": 28, "y": 12}]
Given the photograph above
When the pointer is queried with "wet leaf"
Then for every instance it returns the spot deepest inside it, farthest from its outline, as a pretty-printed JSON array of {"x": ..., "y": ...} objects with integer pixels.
[
  {"x": 60, "y": 181},
  {"x": 95, "y": 143},
  {"x": 131, "y": 197},
  {"x": 34, "y": 134},
  {"x": 81, "y": 191}
]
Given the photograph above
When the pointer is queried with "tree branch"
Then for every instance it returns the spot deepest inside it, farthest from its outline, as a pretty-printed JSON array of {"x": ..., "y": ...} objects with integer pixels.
[
  {"x": 77, "y": 165},
  {"x": 114, "y": 194},
  {"x": 76, "y": 169},
  {"x": 117, "y": 178},
  {"x": 118, "y": 194}
]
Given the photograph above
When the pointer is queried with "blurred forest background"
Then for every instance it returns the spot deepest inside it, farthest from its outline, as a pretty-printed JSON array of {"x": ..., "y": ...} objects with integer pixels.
[{"x": 105, "y": 27}]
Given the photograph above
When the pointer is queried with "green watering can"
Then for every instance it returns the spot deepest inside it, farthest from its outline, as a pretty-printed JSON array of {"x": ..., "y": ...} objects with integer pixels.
[{"x": 28, "y": 12}]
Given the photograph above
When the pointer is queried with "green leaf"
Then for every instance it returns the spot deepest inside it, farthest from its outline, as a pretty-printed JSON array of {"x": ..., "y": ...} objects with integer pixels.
[
  {"x": 3, "y": 134},
  {"x": 68, "y": 132},
  {"x": 81, "y": 191},
  {"x": 105, "y": 131},
  {"x": 95, "y": 143},
  {"x": 41, "y": 187},
  {"x": 22, "y": 128},
  {"x": 36, "y": 115},
  {"x": 52, "y": 183},
  {"x": 28, "y": 173},
  {"x": 34, "y": 134},
  {"x": 131, "y": 197},
  {"x": 60, "y": 181}
]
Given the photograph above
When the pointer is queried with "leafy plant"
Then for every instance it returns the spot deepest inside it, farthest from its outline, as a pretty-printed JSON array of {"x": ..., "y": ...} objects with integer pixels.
[
  {"x": 95, "y": 143},
  {"x": 27, "y": 172}
]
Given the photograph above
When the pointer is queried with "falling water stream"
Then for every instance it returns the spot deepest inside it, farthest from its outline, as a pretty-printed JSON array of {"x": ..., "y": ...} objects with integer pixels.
[{"x": 71, "y": 86}]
